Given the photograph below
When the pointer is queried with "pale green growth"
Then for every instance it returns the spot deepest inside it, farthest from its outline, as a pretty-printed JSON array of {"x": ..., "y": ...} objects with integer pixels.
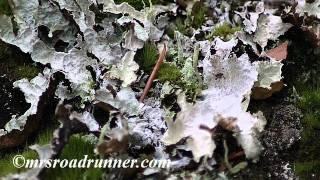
[
  {"x": 185, "y": 72},
  {"x": 192, "y": 78},
  {"x": 188, "y": 71},
  {"x": 179, "y": 46},
  {"x": 195, "y": 61},
  {"x": 166, "y": 89}
]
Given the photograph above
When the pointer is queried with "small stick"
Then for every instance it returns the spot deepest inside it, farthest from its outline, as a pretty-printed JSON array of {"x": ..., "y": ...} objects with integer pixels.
[{"x": 154, "y": 73}]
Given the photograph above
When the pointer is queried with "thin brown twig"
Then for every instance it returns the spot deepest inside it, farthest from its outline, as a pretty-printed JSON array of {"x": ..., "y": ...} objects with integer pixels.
[
  {"x": 236, "y": 155},
  {"x": 154, "y": 73}
]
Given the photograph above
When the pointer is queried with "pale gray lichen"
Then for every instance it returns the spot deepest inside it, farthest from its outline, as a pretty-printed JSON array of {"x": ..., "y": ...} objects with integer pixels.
[
  {"x": 125, "y": 100},
  {"x": 312, "y": 9},
  {"x": 125, "y": 70},
  {"x": 228, "y": 76},
  {"x": 87, "y": 119},
  {"x": 269, "y": 72},
  {"x": 79, "y": 32},
  {"x": 32, "y": 90},
  {"x": 261, "y": 26},
  {"x": 148, "y": 128},
  {"x": 250, "y": 19},
  {"x": 270, "y": 27},
  {"x": 228, "y": 79}
]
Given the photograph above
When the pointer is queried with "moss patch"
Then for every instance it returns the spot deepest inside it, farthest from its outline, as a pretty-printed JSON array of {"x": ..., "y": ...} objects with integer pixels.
[
  {"x": 308, "y": 161},
  {"x": 199, "y": 13},
  {"x": 310, "y": 99},
  {"x": 25, "y": 71},
  {"x": 169, "y": 72},
  {"x": 76, "y": 149},
  {"x": 305, "y": 167},
  {"x": 16, "y": 64},
  {"x": 179, "y": 24},
  {"x": 194, "y": 20},
  {"x": 302, "y": 71},
  {"x": 6, "y": 165},
  {"x": 147, "y": 57},
  {"x": 224, "y": 31},
  {"x": 5, "y": 8}
]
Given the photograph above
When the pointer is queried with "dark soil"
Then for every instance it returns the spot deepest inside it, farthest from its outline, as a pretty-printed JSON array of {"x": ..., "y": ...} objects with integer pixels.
[{"x": 12, "y": 101}]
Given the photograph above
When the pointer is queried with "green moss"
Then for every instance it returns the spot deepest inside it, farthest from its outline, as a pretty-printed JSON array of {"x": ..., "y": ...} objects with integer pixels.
[
  {"x": 45, "y": 137},
  {"x": 169, "y": 72},
  {"x": 25, "y": 71},
  {"x": 16, "y": 64},
  {"x": 224, "y": 31},
  {"x": 310, "y": 104},
  {"x": 76, "y": 149},
  {"x": 195, "y": 19},
  {"x": 310, "y": 99},
  {"x": 307, "y": 168},
  {"x": 199, "y": 12},
  {"x": 312, "y": 120},
  {"x": 185, "y": 24},
  {"x": 5, "y": 7},
  {"x": 6, "y": 165},
  {"x": 179, "y": 24},
  {"x": 308, "y": 160},
  {"x": 147, "y": 56}
]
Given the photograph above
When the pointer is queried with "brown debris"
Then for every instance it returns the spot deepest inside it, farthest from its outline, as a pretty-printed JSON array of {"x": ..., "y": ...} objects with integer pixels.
[
  {"x": 115, "y": 144},
  {"x": 260, "y": 93},
  {"x": 279, "y": 53},
  {"x": 229, "y": 123},
  {"x": 118, "y": 138}
]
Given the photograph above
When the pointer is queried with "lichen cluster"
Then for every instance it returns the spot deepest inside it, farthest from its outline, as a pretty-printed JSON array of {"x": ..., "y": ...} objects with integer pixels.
[{"x": 226, "y": 92}]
